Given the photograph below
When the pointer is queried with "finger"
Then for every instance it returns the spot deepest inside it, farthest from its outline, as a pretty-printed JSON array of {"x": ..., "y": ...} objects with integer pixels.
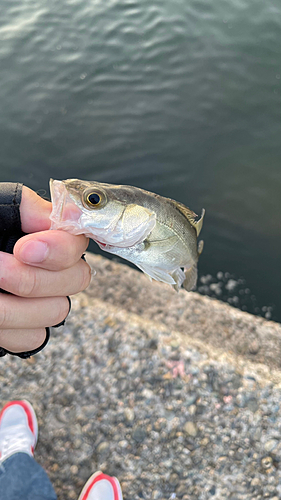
[
  {"x": 34, "y": 212},
  {"x": 23, "y": 313},
  {"x": 53, "y": 250},
  {"x": 22, "y": 340},
  {"x": 27, "y": 281}
]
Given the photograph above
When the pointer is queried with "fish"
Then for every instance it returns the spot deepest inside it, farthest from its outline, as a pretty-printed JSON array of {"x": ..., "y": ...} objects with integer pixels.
[{"x": 157, "y": 234}]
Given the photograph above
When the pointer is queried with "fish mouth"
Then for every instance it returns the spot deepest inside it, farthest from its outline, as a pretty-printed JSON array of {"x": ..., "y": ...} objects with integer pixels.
[
  {"x": 101, "y": 244},
  {"x": 65, "y": 214}
]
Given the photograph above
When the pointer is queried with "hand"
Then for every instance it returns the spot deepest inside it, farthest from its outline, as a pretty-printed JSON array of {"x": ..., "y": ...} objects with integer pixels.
[{"x": 46, "y": 267}]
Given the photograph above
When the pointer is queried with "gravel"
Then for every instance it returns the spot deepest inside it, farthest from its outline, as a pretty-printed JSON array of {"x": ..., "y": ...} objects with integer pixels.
[{"x": 166, "y": 391}]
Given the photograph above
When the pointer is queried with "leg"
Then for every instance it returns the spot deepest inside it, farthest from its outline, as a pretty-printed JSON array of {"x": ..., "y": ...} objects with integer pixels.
[{"x": 21, "y": 478}]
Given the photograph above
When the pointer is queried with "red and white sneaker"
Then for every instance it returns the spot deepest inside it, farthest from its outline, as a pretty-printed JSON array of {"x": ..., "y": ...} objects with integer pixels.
[
  {"x": 18, "y": 429},
  {"x": 101, "y": 487}
]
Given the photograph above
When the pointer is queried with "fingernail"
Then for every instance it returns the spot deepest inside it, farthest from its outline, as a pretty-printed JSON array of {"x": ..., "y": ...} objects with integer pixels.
[{"x": 34, "y": 252}]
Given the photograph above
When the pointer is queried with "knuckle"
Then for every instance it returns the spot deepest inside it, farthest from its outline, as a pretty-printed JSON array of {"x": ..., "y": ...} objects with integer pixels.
[
  {"x": 27, "y": 285},
  {"x": 3, "y": 315}
]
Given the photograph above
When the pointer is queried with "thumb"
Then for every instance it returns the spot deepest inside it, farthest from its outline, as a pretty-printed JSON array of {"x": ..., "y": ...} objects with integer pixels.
[{"x": 34, "y": 212}]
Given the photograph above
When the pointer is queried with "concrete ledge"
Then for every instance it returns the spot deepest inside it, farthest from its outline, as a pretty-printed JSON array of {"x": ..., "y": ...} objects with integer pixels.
[
  {"x": 212, "y": 322},
  {"x": 177, "y": 395}
]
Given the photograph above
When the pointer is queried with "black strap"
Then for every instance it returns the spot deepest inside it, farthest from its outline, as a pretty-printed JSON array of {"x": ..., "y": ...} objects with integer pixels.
[{"x": 10, "y": 232}]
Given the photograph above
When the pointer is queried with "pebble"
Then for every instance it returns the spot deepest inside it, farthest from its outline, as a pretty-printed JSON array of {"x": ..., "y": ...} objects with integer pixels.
[
  {"x": 270, "y": 445},
  {"x": 123, "y": 443},
  {"x": 147, "y": 393},
  {"x": 173, "y": 479},
  {"x": 102, "y": 447},
  {"x": 190, "y": 429},
  {"x": 156, "y": 494},
  {"x": 181, "y": 489},
  {"x": 74, "y": 469},
  {"x": 192, "y": 409},
  {"x": 139, "y": 434},
  {"x": 205, "y": 441},
  {"x": 255, "y": 482},
  {"x": 266, "y": 462},
  {"x": 129, "y": 414}
]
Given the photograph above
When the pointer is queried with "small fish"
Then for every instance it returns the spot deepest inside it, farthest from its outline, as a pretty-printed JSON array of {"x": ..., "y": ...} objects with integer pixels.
[{"x": 157, "y": 234}]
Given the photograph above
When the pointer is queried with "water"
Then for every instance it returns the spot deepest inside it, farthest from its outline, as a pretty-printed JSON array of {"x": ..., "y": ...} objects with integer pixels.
[{"x": 181, "y": 98}]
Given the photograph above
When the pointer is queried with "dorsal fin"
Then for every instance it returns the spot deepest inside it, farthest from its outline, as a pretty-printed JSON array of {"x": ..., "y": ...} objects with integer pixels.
[
  {"x": 190, "y": 215},
  {"x": 199, "y": 223}
]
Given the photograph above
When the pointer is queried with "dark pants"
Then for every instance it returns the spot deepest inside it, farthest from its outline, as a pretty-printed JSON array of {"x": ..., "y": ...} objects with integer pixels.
[{"x": 22, "y": 478}]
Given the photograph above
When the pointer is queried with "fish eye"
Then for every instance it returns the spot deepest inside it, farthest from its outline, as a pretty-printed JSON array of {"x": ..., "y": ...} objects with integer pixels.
[{"x": 94, "y": 199}]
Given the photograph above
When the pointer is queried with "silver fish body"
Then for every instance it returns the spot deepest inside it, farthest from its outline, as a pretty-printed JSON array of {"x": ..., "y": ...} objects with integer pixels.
[{"x": 157, "y": 234}]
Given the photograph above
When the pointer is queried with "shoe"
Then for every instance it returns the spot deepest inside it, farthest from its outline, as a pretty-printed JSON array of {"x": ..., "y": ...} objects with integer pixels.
[
  {"x": 101, "y": 487},
  {"x": 18, "y": 429}
]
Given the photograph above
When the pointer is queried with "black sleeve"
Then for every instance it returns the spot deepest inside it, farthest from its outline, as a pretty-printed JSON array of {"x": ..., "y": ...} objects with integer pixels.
[
  {"x": 10, "y": 232},
  {"x": 10, "y": 224}
]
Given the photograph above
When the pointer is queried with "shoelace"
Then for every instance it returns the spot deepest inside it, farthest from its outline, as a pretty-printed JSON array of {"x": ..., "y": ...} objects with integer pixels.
[{"x": 15, "y": 440}]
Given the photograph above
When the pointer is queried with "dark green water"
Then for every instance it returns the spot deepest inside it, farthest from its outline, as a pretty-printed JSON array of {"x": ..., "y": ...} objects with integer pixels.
[{"x": 181, "y": 98}]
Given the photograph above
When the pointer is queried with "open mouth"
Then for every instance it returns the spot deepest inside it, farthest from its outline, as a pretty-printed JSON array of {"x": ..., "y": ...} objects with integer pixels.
[
  {"x": 100, "y": 244},
  {"x": 103, "y": 245}
]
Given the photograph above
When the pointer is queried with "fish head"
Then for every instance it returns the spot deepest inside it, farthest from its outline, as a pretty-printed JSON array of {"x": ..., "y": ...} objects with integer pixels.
[{"x": 103, "y": 212}]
